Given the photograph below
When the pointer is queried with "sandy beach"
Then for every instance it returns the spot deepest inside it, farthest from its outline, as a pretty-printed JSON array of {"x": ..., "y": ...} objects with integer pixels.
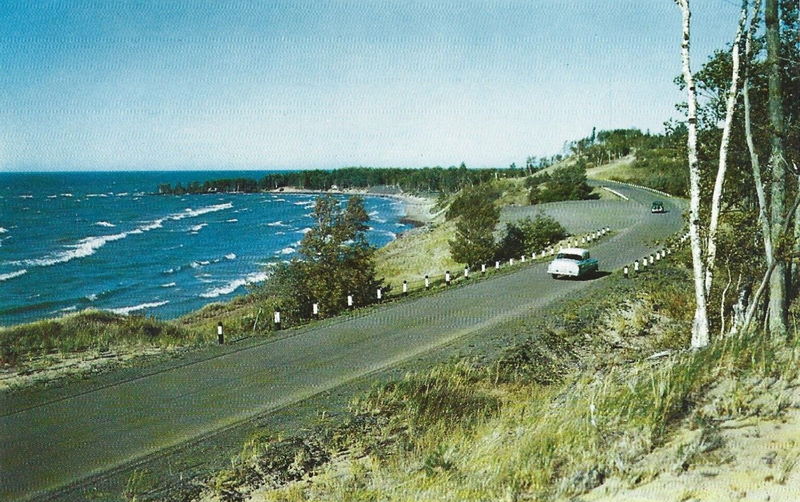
[{"x": 418, "y": 210}]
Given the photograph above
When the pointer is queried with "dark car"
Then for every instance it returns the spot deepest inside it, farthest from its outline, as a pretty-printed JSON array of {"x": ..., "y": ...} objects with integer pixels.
[{"x": 657, "y": 207}]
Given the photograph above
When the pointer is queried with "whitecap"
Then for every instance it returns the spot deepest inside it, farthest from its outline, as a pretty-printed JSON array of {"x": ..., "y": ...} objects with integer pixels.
[
  {"x": 26, "y": 196},
  {"x": 230, "y": 256},
  {"x": 11, "y": 275},
  {"x": 287, "y": 250},
  {"x": 122, "y": 194},
  {"x": 128, "y": 310},
  {"x": 84, "y": 247},
  {"x": 3, "y": 230},
  {"x": 235, "y": 284},
  {"x": 168, "y": 285},
  {"x": 279, "y": 200},
  {"x": 91, "y": 297},
  {"x": 232, "y": 220},
  {"x": 104, "y": 224},
  {"x": 52, "y": 196},
  {"x": 69, "y": 309},
  {"x": 89, "y": 245},
  {"x": 303, "y": 230},
  {"x": 189, "y": 212},
  {"x": 66, "y": 195},
  {"x": 197, "y": 228},
  {"x": 278, "y": 223}
]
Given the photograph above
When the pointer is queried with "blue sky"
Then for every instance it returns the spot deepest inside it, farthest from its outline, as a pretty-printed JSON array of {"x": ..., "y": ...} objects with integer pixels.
[{"x": 89, "y": 85}]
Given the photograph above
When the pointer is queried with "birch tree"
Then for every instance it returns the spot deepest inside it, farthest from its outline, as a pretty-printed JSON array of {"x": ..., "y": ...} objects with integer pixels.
[
  {"x": 730, "y": 107},
  {"x": 700, "y": 336}
]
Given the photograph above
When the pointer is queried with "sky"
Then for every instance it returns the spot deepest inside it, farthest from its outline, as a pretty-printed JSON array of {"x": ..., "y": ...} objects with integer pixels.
[{"x": 237, "y": 84}]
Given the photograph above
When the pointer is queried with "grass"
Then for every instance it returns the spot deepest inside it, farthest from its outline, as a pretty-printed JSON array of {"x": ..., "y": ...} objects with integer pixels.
[
  {"x": 411, "y": 257},
  {"x": 89, "y": 329},
  {"x": 553, "y": 416},
  {"x": 618, "y": 169}
]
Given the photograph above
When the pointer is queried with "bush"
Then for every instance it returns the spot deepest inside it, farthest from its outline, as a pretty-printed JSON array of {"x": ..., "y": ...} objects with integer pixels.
[
  {"x": 529, "y": 235},
  {"x": 566, "y": 183}
]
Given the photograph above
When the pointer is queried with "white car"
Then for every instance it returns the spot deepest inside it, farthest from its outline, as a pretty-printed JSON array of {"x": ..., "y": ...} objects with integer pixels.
[{"x": 572, "y": 262}]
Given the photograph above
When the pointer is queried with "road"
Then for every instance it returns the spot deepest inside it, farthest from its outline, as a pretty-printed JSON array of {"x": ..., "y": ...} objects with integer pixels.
[{"x": 59, "y": 442}]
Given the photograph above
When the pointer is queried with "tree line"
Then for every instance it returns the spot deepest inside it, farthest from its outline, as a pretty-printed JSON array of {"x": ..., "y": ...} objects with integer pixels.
[{"x": 423, "y": 180}]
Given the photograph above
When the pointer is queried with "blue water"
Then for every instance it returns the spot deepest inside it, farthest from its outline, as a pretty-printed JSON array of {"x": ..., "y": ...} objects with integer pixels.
[{"x": 70, "y": 241}]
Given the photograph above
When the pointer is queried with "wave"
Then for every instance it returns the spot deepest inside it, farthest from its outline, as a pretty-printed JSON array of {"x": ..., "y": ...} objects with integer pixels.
[
  {"x": 11, "y": 275},
  {"x": 286, "y": 250},
  {"x": 96, "y": 195},
  {"x": 230, "y": 256},
  {"x": 104, "y": 224},
  {"x": 89, "y": 245},
  {"x": 190, "y": 213},
  {"x": 197, "y": 228},
  {"x": 52, "y": 196},
  {"x": 26, "y": 196},
  {"x": 278, "y": 223},
  {"x": 303, "y": 230},
  {"x": 232, "y": 220},
  {"x": 235, "y": 284},
  {"x": 128, "y": 310},
  {"x": 122, "y": 194},
  {"x": 3, "y": 230},
  {"x": 66, "y": 195},
  {"x": 168, "y": 285}
]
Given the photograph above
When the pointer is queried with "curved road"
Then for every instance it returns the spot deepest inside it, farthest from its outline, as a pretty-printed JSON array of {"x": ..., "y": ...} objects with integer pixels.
[{"x": 56, "y": 443}]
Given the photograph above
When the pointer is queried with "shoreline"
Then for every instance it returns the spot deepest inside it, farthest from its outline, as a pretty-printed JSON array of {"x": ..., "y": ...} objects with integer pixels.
[{"x": 417, "y": 209}]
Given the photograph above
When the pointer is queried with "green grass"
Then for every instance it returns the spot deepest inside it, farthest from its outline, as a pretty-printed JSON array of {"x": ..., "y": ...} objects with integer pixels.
[
  {"x": 553, "y": 416},
  {"x": 618, "y": 169},
  {"x": 89, "y": 329}
]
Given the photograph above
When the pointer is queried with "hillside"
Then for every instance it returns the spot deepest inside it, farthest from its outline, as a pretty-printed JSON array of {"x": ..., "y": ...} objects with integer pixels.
[{"x": 601, "y": 402}]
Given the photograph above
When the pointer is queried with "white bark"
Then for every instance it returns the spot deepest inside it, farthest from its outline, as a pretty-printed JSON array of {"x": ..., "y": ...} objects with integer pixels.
[
  {"x": 700, "y": 336},
  {"x": 730, "y": 107},
  {"x": 763, "y": 208}
]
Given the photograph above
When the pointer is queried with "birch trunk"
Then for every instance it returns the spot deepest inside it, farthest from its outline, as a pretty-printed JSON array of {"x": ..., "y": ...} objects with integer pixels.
[
  {"x": 777, "y": 284},
  {"x": 730, "y": 107},
  {"x": 763, "y": 208},
  {"x": 700, "y": 336}
]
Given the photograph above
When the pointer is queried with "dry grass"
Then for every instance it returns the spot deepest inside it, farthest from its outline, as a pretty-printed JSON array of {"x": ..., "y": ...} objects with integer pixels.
[{"x": 556, "y": 417}]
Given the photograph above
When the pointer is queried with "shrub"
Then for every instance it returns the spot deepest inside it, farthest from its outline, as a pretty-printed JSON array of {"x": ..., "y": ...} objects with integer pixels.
[
  {"x": 566, "y": 183},
  {"x": 529, "y": 235}
]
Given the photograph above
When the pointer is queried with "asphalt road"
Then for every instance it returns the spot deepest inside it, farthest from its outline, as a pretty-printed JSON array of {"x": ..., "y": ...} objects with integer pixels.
[{"x": 56, "y": 443}]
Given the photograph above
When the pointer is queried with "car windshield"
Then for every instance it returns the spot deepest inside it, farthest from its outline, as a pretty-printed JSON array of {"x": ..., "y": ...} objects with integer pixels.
[{"x": 569, "y": 256}]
